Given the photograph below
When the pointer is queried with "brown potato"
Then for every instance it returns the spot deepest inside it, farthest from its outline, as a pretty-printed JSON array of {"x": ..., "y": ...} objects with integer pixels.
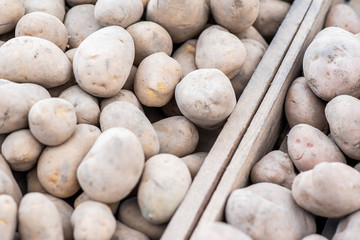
[
  {"x": 122, "y": 95},
  {"x": 185, "y": 55},
  {"x": 10, "y": 13},
  {"x": 194, "y": 162},
  {"x": 343, "y": 16},
  {"x": 221, "y": 230},
  {"x": 32, "y": 182},
  {"x": 348, "y": 228},
  {"x": 252, "y": 33},
  {"x": 122, "y": 232},
  {"x": 84, "y": 197},
  {"x": 8, "y": 215},
  {"x": 53, "y": 7}
]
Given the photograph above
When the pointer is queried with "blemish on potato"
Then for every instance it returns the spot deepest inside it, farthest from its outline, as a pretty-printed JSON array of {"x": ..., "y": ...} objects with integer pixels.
[
  {"x": 309, "y": 144},
  {"x": 3, "y": 221},
  {"x": 54, "y": 178},
  {"x": 94, "y": 57},
  {"x": 297, "y": 141},
  {"x": 161, "y": 86}
]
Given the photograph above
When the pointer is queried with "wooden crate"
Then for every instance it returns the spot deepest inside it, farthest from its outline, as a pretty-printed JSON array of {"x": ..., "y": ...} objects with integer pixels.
[
  {"x": 269, "y": 119},
  {"x": 189, "y": 212}
]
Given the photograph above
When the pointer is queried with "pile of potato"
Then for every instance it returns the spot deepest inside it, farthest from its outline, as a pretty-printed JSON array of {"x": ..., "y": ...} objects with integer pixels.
[
  {"x": 108, "y": 108},
  {"x": 318, "y": 173}
]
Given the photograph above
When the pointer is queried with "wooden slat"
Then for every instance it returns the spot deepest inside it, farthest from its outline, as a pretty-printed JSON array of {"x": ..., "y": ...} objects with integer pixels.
[
  {"x": 190, "y": 210},
  {"x": 266, "y": 124}
]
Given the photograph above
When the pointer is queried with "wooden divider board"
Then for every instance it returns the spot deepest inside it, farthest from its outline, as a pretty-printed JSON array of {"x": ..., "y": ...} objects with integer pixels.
[
  {"x": 264, "y": 129},
  {"x": 187, "y": 215}
]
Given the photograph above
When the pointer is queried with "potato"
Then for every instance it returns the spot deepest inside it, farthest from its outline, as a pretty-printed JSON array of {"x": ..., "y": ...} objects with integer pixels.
[
  {"x": 236, "y": 16},
  {"x": 275, "y": 167},
  {"x": 171, "y": 108},
  {"x": 217, "y": 48},
  {"x": 330, "y": 64},
  {"x": 303, "y": 106},
  {"x": 343, "y": 114},
  {"x": 314, "y": 237},
  {"x": 113, "y": 166},
  {"x": 86, "y": 106},
  {"x": 34, "y": 60},
  {"x": 355, "y": 5},
  {"x": 93, "y": 220},
  {"x": 6, "y": 174},
  {"x": 65, "y": 211},
  {"x": 21, "y": 150},
  {"x": 254, "y": 53},
  {"x": 348, "y": 228},
  {"x": 271, "y": 14},
  {"x": 118, "y": 12},
  {"x": 205, "y": 97},
  {"x": 221, "y": 230},
  {"x": 343, "y": 16},
  {"x": 177, "y": 135},
  {"x": 328, "y": 190},
  {"x": 10, "y": 13},
  {"x": 84, "y": 197},
  {"x": 163, "y": 186},
  {"x": 172, "y": 14},
  {"x": 254, "y": 208},
  {"x": 156, "y": 79},
  {"x": 103, "y": 61},
  {"x": 252, "y": 33},
  {"x": 122, "y": 232},
  {"x": 129, "y": 84},
  {"x": 39, "y": 218},
  {"x": 126, "y": 115},
  {"x": 52, "y": 121},
  {"x": 80, "y": 22},
  {"x": 194, "y": 162},
  {"x": 57, "y": 166},
  {"x": 80, "y": 2},
  {"x": 32, "y": 182},
  {"x": 53, "y": 7},
  {"x": 129, "y": 214},
  {"x": 149, "y": 38},
  {"x": 308, "y": 146},
  {"x": 8, "y": 215},
  {"x": 185, "y": 55},
  {"x": 123, "y": 95},
  {"x": 6, "y": 186},
  {"x": 43, "y": 25}
]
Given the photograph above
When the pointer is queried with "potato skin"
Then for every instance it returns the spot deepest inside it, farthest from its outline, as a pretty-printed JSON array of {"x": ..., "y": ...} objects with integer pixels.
[
  {"x": 32, "y": 182},
  {"x": 15, "y": 190},
  {"x": 314, "y": 237},
  {"x": 53, "y": 7},
  {"x": 185, "y": 55},
  {"x": 252, "y": 33},
  {"x": 122, "y": 232},
  {"x": 98, "y": 72},
  {"x": 348, "y": 227},
  {"x": 194, "y": 162},
  {"x": 221, "y": 230},
  {"x": 84, "y": 197},
  {"x": 343, "y": 16},
  {"x": 122, "y": 95},
  {"x": 10, "y": 13},
  {"x": 8, "y": 215}
]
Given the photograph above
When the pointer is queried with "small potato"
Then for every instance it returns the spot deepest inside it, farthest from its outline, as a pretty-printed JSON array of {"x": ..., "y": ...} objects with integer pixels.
[
  {"x": 129, "y": 214},
  {"x": 149, "y": 38},
  {"x": 236, "y": 16},
  {"x": 185, "y": 55},
  {"x": 126, "y": 115},
  {"x": 252, "y": 33},
  {"x": 303, "y": 106},
  {"x": 52, "y": 121},
  {"x": 15, "y": 190},
  {"x": 8, "y": 216},
  {"x": 308, "y": 146},
  {"x": 314, "y": 237},
  {"x": 84, "y": 197},
  {"x": 163, "y": 186},
  {"x": 113, "y": 166},
  {"x": 194, "y": 162},
  {"x": 156, "y": 79},
  {"x": 39, "y": 218},
  {"x": 339, "y": 195},
  {"x": 10, "y": 13},
  {"x": 43, "y": 25},
  {"x": 103, "y": 61},
  {"x": 129, "y": 84},
  {"x": 343, "y": 16},
  {"x": 34, "y": 60},
  {"x": 118, "y": 12},
  {"x": 205, "y": 97},
  {"x": 348, "y": 228},
  {"x": 53, "y": 7},
  {"x": 72, "y": 3},
  {"x": 122, "y": 232},
  {"x": 254, "y": 208},
  {"x": 93, "y": 221},
  {"x": 21, "y": 150},
  {"x": 171, "y": 14},
  {"x": 80, "y": 22},
  {"x": 275, "y": 167},
  {"x": 86, "y": 106},
  {"x": 177, "y": 135},
  {"x": 57, "y": 166},
  {"x": 32, "y": 182},
  {"x": 123, "y": 95},
  {"x": 221, "y": 230},
  {"x": 217, "y": 48},
  {"x": 343, "y": 114}
]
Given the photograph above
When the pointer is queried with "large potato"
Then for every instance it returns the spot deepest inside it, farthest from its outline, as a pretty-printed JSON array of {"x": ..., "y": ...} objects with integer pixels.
[
  {"x": 113, "y": 166},
  {"x": 182, "y": 19},
  {"x": 43, "y": 25},
  {"x": 348, "y": 228},
  {"x": 331, "y": 64},
  {"x": 185, "y": 55},
  {"x": 343, "y": 16},
  {"x": 103, "y": 61},
  {"x": 122, "y": 232},
  {"x": 10, "y": 13},
  {"x": 343, "y": 114},
  {"x": 217, "y": 48},
  {"x": 8, "y": 216},
  {"x": 328, "y": 190},
  {"x": 122, "y": 95},
  {"x": 220, "y": 230},
  {"x": 53, "y": 7},
  {"x": 163, "y": 186},
  {"x": 39, "y": 218},
  {"x": 15, "y": 189},
  {"x": 84, "y": 197},
  {"x": 126, "y": 115},
  {"x": 34, "y": 60},
  {"x": 205, "y": 97},
  {"x": 194, "y": 162},
  {"x": 254, "y": 208}
]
